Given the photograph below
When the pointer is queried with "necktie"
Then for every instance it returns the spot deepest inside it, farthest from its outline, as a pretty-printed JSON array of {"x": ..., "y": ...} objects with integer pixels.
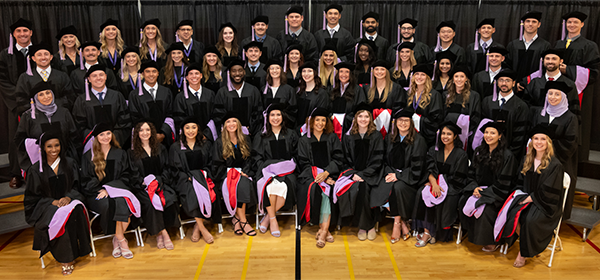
[
  {"x": 331, "y": 31},
  {"x": 24, "y": 51},
  {"x": 484, "y": 45},
  {"x": 196, "y": 95},
  {"x": 502, "y": 101},
  {"x": 253, "y": 69},
  {"x": 294, "y": 36},
  {"x": 550, "y": 79},
  {"x": 371, "y": 38},
  {"x": 44, "y": 75},
  {"x": 152, "y": 93},
  {"x": 261, "y": 39},
  {"x": 568, "y": 43},
  {"x": 100, "y": 98}
]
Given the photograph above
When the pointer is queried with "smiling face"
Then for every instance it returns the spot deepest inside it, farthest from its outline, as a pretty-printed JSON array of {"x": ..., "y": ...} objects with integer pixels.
[
  {"x": 42, "y": 58},
  {"x": 275, "y": 118},
  {"x": 363, "y": 119},
  {"x": 194, "y": 77},
  {"x": 150, "y": 75},
  {"x": 446, "y": 34},
  {"x": 363, "y": 53},
  {"x": 211, "y": 59},
  {"x": 253, "y": 54},
  {"x": 308, "y": 75},
  {"x": 91, "y": 54},
  {"x": 407, "y": 31},
  {"x": 52, "y": 149},
  {"x": 23, "y": 35},
  {"x": 333, "y": 17},
  {"x": 574, "y": 25},
  {"x": 552, "y": 62},
  {"x": 191, "y": 131},
  {"x": 105, "y": 137},
  {"x": 344, "y": 75},
  {"x": 176, "y": 56},
  {"x": 275, "y": 71},
  {"x": 145, "y": 132},
  {"x": 491, "y": 136},
  {"x": 403, "y": 125},
  {"x": 328, "y": 57},
  {"x": 486, "y": 31},
  {"x": 404, "y": 54},
  {"x": 554, "y": 96},
  {"x": 45, "y": 97},
  {"x": 370, "y": 25},
  {"x": 294, "y": 56},
  {"x": 420, "y": 78},
  {"x": 228, "y": 35},
  {"x": 185, "y": 32},
  {"x": 495, "y": 59},
  {"x": 319, "y": 123},
  {"x": 531, "y": 25},
  {"x": 539, "y": 142},
  {"x": 150, "y": 31},
  {"x": 459, "y": 79},
  {"x": 97, "y": 79},
  {"x": 506, "y": 85},
  {"x": 69, "y": 40},
  {"x": 295, "y": 20},
  {"x": 231, "y": 125},
  {"x": 447, "y": 136},
  {"x": 237, "y": 74},
  {"x": 379, "y": 72},
  {"x": 110, "y": 32},
  {"x": 131, "y": 59},
  {"x": 260, "y": 28},
  {"x": 445, "y": 65}
]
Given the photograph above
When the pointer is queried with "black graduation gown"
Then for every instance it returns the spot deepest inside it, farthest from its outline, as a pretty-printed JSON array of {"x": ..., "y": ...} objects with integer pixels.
[
  {"x": 476, "y": 58},
  {"x": 196, "y": 53},
  {"x": 581, "y": 52},
  {"x": 113, "y": 110},
  {"x": 325, "y": 153},
  {"x": 526, "y": 61},
  {"x": 117, "y": 174},
  {"x": 382, "y": 44},
  {"x": 471, "y": 109},
  {"x": 438, "y": 86},
  {"x": 42, "y": 189},
  {"x": 11, "y": 67},
  {"x": 499, "y": 184},
  {"x": 258, "y": 78},
  {"x": 442, "y": 216},
  {"x": 343, "y": 105},
  {"x": 461, "y": 56},
  {"x": 157, "y": 165},
  {"x": 271, "y": 48},
  {"x": 115, "y": 64},
  {"x": 539, "y": 219},
  {"x": 246, "y": 191},
  {"x": 269, "y": 150},
  {"x": 407, "y": 161},
  {"x": 175, "y": 89},
  {"x": 248, "y": 107},
  {"x": 564, "y": 141},
  {"x": 534, "y": 97},
  {"x": 160, "y": 61},
  {"x": 363, "y": 78},
  {"x": 305, "y": 39},
  {"x": 482, "y": 84},
  {"x": 61, "y": 123},
  {"x": 431, "y": 117},
  {"x": 403, "y": 80},
  {"x": 145, "y": 107},
  {"x": 63, "y": 94},
  {"x": 228, "y": 57},
  {"x": 423, "y": 54},
  {"x": 201, "y": 108},
  {"x": 515, "y": 114},
  {"x": 66, "y": 65},
  {"x": 396, "y": 98},
  {"x": 212, "y": 82},
  {"x": 286, "y": 95},
  {"x": 125, "y": 87},
  {"x": 78, "y": 80},
  {"x": 342, "y": 39},
  {"x": 185, "y": 164},
  {"x": 308, "y": 101},
  {"x": 292, "y": 80}
]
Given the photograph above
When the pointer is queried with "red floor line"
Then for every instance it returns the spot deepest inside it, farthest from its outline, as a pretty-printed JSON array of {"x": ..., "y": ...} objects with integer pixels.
[
  {"x": 588, "y": 241},
  {"x": 11, "y": 239}
]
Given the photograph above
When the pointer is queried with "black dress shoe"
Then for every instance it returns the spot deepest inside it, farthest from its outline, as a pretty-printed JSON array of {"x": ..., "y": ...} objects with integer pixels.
[{"x": 15, "y": 183}]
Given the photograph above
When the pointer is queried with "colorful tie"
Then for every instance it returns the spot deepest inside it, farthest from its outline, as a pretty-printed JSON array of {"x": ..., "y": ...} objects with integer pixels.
[
  {"x": 551, "y": 79},
  {"x": 568, "y": 43},
  {"x": 484, "y": 45},
  {"x": 44, "y": 75}
]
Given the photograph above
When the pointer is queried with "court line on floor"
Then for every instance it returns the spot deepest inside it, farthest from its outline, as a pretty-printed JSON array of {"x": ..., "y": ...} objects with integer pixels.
[
  {"x": 587, "y": 240},
  {"x": 11, "y": 239},
  {"x": 247, "y": 259},
  {"x": 348, "y": 258},
  {"x": 298, "y": 255},
  {"x": 201, "y": 262},
  {"x": 389, "y": 249}
]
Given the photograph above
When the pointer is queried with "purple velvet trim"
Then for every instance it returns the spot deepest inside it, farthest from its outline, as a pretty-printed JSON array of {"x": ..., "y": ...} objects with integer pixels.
[
  {"x": 203, "y": 197},
  {"x": 478, "y": 137},
  {"x": 340, "y": 183},
  {"x": 469, "y": 210},
  {"x": 463, "y": 122},
  {"x": 213, "y": 129},
  {"x": 33, "y": 150},
  {"x": 502, "y": 215},
  {"x": 582, "y": 79},
  {"x": 272, "y": 170},
  {"x": 431, "y": 200},
  {"x": 230, "y": 208},
  {"x": 115, "y": 192},
  {"x": 60, "y": 218},
  {"x": 156, "y": 203},
  {"x": 170, "y": 123}
]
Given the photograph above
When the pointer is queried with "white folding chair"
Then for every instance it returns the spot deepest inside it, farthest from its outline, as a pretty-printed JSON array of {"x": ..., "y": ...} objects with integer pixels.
[{"x": 136, "y": 231}]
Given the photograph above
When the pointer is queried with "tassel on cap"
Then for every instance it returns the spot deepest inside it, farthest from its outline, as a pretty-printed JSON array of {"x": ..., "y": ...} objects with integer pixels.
[
  {"x": 540, "y": 68},
  {"x": 181, "y": 141},
  {"x": 132, "y": 131},
  {"x": 33, "y": 108},
  {"x": 324, "y": 21},
  {"x": 139, "y": 85},
  {"x": 267, "y": 86},
  {"x": 434, "y": 68},
  {"x": 398, "y": 41},
  {"x": 87, "y": 90},
  {"x": 308, "y": 123},
  {"x": 122, "y": 76},
  {"x": 356, "y": 53},
  {"x": 286, "y": 26},
  {"x": 334, "y": 72},
  {"x": 61, "y": 54},
  {"x": 495, "y": 92},
  {"x": 177, "y": 37},
  {"x": 11, "y": 44},
  {"x": 487, "y": 61},
  {"x": 476, "y": 45},
  {"x": 29, "y": 67},
  {"x": 521, "y": 32},
  {"x": 40, "y": 144},
  {"x": 438, "y": 46},
  {"x": 397, "y": 62},
  {"x": 141, "y": 36},
  {"x": 564, "y": 30},
  {"x": 81, "y": 64},
  {"x": 371, "y": 83},
  {"x": 264, "y": 113},
  {"x": 253, "y": 33},
  {"x": 244, "y": 55},
  {"x": 185, "y": 89},
  {"x": 285, "y": 59},
  {"x": 361, "y": 31},
  {"x": 229, "y": 86}
]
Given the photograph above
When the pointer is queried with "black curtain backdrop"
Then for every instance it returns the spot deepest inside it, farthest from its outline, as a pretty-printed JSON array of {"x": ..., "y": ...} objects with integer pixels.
[{"x": 87, "y": 15}]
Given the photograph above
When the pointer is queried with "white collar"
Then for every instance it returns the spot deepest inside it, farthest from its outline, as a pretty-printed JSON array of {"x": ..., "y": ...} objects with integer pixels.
[
  {"x": 148, "y": 87},
  {"x": 506, "y": 98},
  {"x": 48, "y": 70},
  {"x": 374, "y": 36},
  {"x": 87, "y": 66},
  {"x": 488, "y": 42},
  {"x": 19, "y": 48},
  {"x": 532, "y": 39},
  {"x": 103, "y": 90},
  {"x": 555, "y": 77},
  {"x": 239, "y": 91},
  {"x": 336, "y": 28},
  {"x": 255, "y": 65},
  {"x": 199, "y": 92}
]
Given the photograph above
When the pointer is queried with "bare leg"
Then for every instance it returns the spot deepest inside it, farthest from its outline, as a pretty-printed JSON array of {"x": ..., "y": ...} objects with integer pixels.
[
  {"x": 246, "y": 227},
  {"x": 208, "y": 238},
  {"x": 123, "y": 227},
  {"x": 396, "y": 228},
  {"x": 520, "y": 261},
  {"x": 271, "y": 210}
]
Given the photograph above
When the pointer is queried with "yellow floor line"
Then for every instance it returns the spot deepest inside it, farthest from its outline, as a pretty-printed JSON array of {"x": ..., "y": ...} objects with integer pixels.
[
  {"x": 201, "y": 262},
  {"x": 389, "y": 249},
  {"x": 247, "y": 258},
  {"x": 350, "y": 267}
]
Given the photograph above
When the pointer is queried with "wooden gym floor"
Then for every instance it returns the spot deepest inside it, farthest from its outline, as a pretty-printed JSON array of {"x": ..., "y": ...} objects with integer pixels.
[{"x": 266, "y": 257}]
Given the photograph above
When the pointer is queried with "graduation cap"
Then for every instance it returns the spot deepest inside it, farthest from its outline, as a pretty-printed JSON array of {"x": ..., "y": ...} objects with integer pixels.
[
  {"x": 363, "y": 106},
  {"x": 21, "y": 23},
  {"x": 334, "y": 6},
  {"x": 499, "y": 126},
  {"x": 154, "y": 21},
  {"x": 460, "y": 68},
  {"x": 320, "y": 112},
  {"x": 311, "y": 64},
  {"x": 575, "y": 14},
  {"x": 558, "y": 85},
  {"x": 191, "y": 119},
  {"x": 410, "y": 21},
  {"x": 404, "y": 113},
  {"x": 178, "y": 46},
  {"x": 405, "y": 45},
  {"x": 506, "y": 73},
  {"x": 236, "y": 61},
  {"x": 371, "y": 14},
  {"x": 499, "y": 50},
  {"x": 448, "y": 23},
  {"x": 445, "y": 55},
  {"x": 96, "y": 45},
  {"x": 532, "y": 14},
  {"x": 228, "y": 24},
  {"x": 381, "y": 63},
  {"x": 101, "y": 127},
  {"x": 295, "y": 9},
  {"x": 185, "y": 22},
  {"x": 94, "y": 68},
  {"x": 212, "y": 49},
  {"x": 329, "y": 47},
  {"x": 486, "y": 21},
  {"x": 424, "y": 68},
  {"x": 66, "y": 31},
  {"x": 229, "y": 115},
  {"x": 253, "y": 44},
  {"x": 294, "y": 47},
  {"x": 369, "y": 43},
  {"x": 346, "y": 65},
  {"x": 148, "y": 64},
  {"x": 540, "y": 129},
  {"x": 130, "y": 50},
  {"x": 41, "y": 86},
  {"x": 261, "y": 18},
  {"x": 108, "y": 22},
  {"x": 193, "y": 66},
  {"x": 557, "y": 52},
  {"x": 273, "y": 61},
  {"x": 452, "y": 126},
  {"x": 41, "y": 46}
]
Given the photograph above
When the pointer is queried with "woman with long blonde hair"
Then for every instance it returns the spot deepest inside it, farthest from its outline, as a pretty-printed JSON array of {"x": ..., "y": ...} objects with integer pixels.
[
  {"x": 227, "y": 43},
  {"x": 152, "y": 46},
  {"x": 112, "y": 44},
  {"x": 383, "y": 93},
  {"x": 536, "y": 205},
  {"x": 67, "y": 57},
  {"x": 425, "y": 102},
  {"x": 405, "y": 61},
  {"x": 213, "y": 72},
  {"x": 233, "y": 171},
  {"x": 105, "y": 183},
  {"x": 327, "y": 62},
  {"x": 128, "y": 74}
]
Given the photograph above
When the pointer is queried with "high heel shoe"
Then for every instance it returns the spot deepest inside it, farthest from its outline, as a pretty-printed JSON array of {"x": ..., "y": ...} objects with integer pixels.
[
  {"x": 262, "y": 228},
  {"x": 236, "y": 221},
  {"x": 251, "y": 232},
  {"x": 407, "y": 235},
  {"x": 423, "y": 242},
  {"x": 329, "y": 237},
  {"x": 125, "y": 249},
  {"x": 116, "y": 253},
  {"x": 393, "y": 239},
  {"x": 275, "y": 233}
]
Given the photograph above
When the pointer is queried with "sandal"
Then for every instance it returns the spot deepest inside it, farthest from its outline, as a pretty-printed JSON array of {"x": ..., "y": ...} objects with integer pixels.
[
  {"x": 493, "y": 249},
  {"x": 235, "y": 222},
  {"x": 423, "y": 242},
  {"x": 262, "y": 228},
  {"x": 168, "y": 243},
  {"x": 407, "y": 235},
  {"x": 329, "y": 237},
  {"x": 67, "y": 269},
  {"x": 116, "y": 253},
  {"x": 160, "y": 244},
  {"x": 394, "y": 239},
  {"x": 195, "y": 230},
  {"x": 125, "y": 249},
  {"x": 320, "y": 242},
  {"x": 251, "y": 232},
  {"x": 317, "y": 236},
  {"x": 275, "y": 233}
]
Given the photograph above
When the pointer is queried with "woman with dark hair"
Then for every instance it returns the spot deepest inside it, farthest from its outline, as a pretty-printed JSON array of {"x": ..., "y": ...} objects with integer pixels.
[
  {"x": 191, "y": 161},
  {"x": 128, "y": 74},
  {"x": 320, "y": 158},
  {"x": 344, "y": 97},
  {"x": 443, "y": 69},
  {"x": 278, "y": 91},
  {"x": 310, "y": 94},
  {"x": 173, "y": 74},
  {"x": 232, "y": 169},
  {"x": 363, "y": 152},
  {"x": 382, "y": 93},
  {"x": 292, "y": 62},
  {"x": 275, "y": 150},
  {"x": 365, "y": 56},
  {"x": 213, "y": 71},
  {"x": 490, "y": 181},
  {"x": 436, "y": 208},
  {"x": 227, "y": 43},
  {"x": 403, "y": 67},
  {"x": 54, "y": 207},
  {"x": 404, "y": 173},
  {"x": 152, "y": 46},
  {"x": 152, "y": 184},
  {"x": 105, "y": 174},
  {"x": 462, "y": 105},
  {"x": 533, "y": 210},
  {"x": 426, "y": 103}
]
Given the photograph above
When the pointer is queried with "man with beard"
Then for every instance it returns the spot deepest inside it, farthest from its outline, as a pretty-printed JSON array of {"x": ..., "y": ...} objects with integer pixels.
[
  {"x": 240, "y": 97},
  {"x": 90, "y": 51},
  {"x": 509, "y": 109},
  {"x": 333, "y": 33},
  {"x": 446, "y": 33},
  {"x": 534, "y": 94},
  {"x": 423, "y": 53},
  {"x": 370, "y": 23},
  {"x": 270, "y": 46},
  {"x": 476, "y": 52},
  {"x": 483, "y": 80},
  {"x": 194, "y": 50},
  {"x": 523, "y": 53},
  {"x": 297, "y": 35}
]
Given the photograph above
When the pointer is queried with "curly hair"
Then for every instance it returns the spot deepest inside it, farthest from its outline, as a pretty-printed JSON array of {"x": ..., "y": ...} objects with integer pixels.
[
  {"x": 493, "y": 160},
  {"x": 426, "y": 92},
  {"x": 138, "y": 148},
  {"x": 530, "y": 157},
  {"x": 328, "y": 127},
  {"x": 466, "y": 93}
]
